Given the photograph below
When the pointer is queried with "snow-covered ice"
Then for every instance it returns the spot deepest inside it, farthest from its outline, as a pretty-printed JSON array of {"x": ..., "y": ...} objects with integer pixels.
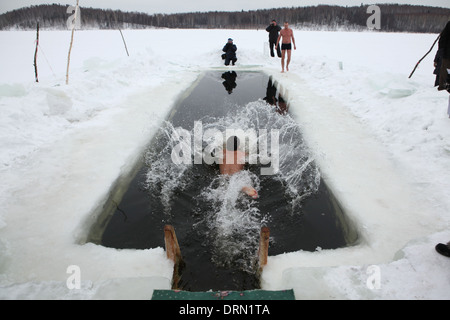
[{"x": 382, "y": 142}]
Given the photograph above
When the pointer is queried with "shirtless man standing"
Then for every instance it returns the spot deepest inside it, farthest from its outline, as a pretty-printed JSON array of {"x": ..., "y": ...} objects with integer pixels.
[
  {"x": 233, "y": 162},
  {"x": 288, "y": 38}
]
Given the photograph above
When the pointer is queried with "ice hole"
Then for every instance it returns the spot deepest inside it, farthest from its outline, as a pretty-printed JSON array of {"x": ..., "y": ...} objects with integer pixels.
[{"x": 217, "y": 226}]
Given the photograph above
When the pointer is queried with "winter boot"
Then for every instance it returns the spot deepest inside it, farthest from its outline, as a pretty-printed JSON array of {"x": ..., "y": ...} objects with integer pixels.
[{"x": 443, "y": 249}]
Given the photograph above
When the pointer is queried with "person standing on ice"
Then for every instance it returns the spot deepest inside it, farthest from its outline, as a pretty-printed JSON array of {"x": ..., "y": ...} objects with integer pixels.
[
  {"x": 233, "y": 162},
  {"x": 443, "y": 56},
  {"x": 273, "y": 31},
  {"x": 230, "y": 52},
  {"x": 444, "y": 51},
  {"x": 286, "y": 46},
  {"x": 437, "y": 66}
]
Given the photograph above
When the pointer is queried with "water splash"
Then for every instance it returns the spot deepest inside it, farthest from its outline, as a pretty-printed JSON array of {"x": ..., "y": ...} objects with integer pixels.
[
  {"x": 164, "y": 177},
  {"x": 232, "y": 220},
  {"x": 297, "y": 169}
]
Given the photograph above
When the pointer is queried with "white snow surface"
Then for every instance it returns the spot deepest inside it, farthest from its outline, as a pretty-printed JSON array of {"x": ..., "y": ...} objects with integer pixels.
[{"x": 382, "y": 142}]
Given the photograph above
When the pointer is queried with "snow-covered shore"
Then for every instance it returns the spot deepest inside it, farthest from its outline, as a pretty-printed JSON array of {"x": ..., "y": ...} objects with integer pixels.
[{"x": 382, "y": 142}]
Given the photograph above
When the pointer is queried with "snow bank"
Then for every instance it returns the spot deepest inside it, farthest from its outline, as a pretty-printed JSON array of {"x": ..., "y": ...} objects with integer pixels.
[
  {"x": 381, "y": 140},
  {"x": 395, "y": 190}
]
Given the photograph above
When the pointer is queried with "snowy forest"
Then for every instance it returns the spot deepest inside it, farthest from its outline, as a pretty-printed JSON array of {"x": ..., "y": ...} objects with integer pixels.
[{"x": 395, "y": 18}]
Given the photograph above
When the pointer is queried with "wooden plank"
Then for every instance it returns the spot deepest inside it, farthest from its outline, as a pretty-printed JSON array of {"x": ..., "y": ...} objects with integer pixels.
[
  {"x": 173, "y": 253},
  {"x": 172, "y": 247},
  {"x": 263, "y": 251}
]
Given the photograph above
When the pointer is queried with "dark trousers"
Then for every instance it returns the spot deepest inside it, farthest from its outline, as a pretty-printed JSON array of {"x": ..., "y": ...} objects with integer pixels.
[
  {"x": 227, "y": 61},
  {"x": 443, "y": 74},
  {"x": 272, "y": 53}
]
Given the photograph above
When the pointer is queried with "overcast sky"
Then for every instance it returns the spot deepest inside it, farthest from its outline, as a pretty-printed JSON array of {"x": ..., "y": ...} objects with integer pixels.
[{"x": 172, "y": 6}]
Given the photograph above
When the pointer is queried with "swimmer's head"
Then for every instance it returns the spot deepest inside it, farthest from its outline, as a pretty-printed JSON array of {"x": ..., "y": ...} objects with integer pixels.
[{"x": 232, "y": 143}]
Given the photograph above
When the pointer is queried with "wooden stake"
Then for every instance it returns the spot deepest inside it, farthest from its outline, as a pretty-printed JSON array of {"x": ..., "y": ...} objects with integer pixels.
[
  {"x": 124, "y": 42},
  {"x": 172, "y": 248},
  {"x": 35, "y": 54},
  {"x": 263, "y": 251},
  {"x": 123, "y": 38},
  {"x": 173, "y": 253},
  {"x": 414, "y": 70},
  {"x": 71, "y": 41}
]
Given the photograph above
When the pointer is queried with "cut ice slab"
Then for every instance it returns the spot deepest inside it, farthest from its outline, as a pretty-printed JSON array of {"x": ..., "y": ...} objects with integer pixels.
[
  {"x": 397, "y": 92},
  {"x": 392, "y": 86}
]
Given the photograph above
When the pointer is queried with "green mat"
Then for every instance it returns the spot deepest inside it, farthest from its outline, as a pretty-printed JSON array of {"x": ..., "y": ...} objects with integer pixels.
[{"x": 223, "y": 295}]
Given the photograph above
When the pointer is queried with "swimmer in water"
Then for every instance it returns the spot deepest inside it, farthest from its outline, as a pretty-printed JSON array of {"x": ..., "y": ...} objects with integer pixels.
[{"x": 233, "y": 162}]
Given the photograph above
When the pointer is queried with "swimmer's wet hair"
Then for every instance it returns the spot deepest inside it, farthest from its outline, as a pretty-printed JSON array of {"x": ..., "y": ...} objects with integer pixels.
[{"x": 232, "y": 143}]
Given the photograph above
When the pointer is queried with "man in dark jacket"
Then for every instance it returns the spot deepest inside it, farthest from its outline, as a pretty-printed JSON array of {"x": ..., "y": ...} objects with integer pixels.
[
  {"x": 437, "y": 66},
  {"x": 230, "y": 52},
  {"x": 444, "y": 47},
  {"x": 273, "y": 31}
]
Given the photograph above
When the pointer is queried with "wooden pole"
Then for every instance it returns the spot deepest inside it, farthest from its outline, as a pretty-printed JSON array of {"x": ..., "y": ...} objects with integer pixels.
[
  {"x": 71, "y": 41},
  {"x": 414, "y": 70},
  {"x": 172, "y": 248},
  {"x": 123, "y": 38},
  {"x": 173, "y": 253},
  {"x": 35, "y": 53},
  {"x": 263, "y": 251},
  {"x": 126, "y": 48}
]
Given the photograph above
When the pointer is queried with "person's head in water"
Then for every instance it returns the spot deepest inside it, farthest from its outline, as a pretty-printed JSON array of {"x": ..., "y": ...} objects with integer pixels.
[{"x": 233, "y": 143}]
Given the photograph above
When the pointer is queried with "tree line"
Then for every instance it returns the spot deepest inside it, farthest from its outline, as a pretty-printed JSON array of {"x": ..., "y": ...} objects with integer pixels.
[{"x": 394, "y": 18}]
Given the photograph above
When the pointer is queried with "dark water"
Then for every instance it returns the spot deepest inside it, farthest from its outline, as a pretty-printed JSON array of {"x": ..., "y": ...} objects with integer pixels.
[{"x": 306, "y": 224}]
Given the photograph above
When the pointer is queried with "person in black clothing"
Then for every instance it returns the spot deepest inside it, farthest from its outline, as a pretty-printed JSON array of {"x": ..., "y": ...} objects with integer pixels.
[
  {"x": 437, "y": 66},
  {"x": 230, "y": 52},
  {"x": 273, "y": 31},
  {"x": 442, "y": 63},
  {"x": 444, "y": 50}
]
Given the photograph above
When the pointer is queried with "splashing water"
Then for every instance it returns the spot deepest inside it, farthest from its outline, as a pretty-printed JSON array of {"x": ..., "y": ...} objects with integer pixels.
[
  {"x": 297, "y": 170},
  {"x": 164, "y": 177},
  {"x": 232, "y": 220}
]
